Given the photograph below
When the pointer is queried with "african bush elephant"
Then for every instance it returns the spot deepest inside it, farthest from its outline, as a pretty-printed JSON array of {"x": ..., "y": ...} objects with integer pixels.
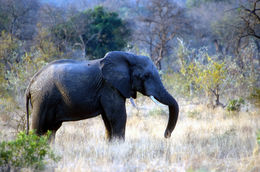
[{"x": 70, "y": 90}]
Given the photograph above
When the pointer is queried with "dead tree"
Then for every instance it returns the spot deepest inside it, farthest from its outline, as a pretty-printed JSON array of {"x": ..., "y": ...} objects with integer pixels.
[{"x": 160, "y": 23}]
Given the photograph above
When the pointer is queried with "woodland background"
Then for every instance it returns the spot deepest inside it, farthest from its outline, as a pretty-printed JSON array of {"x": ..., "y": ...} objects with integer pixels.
[{"x": 207, "y": 53}]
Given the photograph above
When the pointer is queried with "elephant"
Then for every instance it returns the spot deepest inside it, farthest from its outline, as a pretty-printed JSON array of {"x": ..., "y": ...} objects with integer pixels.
[{"x": 71, "y": 90}]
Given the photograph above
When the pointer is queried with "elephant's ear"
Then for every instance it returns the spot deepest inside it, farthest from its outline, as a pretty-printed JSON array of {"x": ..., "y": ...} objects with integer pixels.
[{"x": 116, "y": 71}]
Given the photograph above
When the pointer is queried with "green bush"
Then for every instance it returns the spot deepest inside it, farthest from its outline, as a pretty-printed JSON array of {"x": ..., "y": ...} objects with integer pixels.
[
  {"x": 193, "y": 114},
  {"x": 202, "y": 72},
  {"x": 255, "y": 96},
  {"x": 258, "y": 137},
  {"x": 176, "y": 84},
  {"x": 235, "y": 104},
  {"x": 157, "y": 111},
  {"x": 26, "y": 151}
]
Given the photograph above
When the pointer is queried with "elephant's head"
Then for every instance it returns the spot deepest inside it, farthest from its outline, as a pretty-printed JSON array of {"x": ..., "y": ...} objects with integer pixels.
[{"x": 130, "y": 73}]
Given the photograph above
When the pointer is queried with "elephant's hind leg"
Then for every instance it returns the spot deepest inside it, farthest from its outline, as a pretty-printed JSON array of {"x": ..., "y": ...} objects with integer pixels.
[
  {"x": 51, "y": 123},
  {"x": 44, "y": 119},
  {"x": 107, "y": 125},
  {"x": 38, "y": 117}
]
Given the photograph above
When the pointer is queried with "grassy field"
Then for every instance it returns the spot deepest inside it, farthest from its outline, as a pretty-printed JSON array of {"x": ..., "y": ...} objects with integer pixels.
[{"x": 204, "y": 140}]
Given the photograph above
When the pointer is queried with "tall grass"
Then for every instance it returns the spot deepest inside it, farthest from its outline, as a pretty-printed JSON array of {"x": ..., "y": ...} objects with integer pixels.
[{"x": 209, "y": 141}]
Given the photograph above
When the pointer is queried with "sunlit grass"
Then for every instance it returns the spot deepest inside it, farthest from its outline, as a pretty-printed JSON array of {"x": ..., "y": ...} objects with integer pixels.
[
  {"x": 210, "y": 140},
  {"x": 204, "y": 140}
]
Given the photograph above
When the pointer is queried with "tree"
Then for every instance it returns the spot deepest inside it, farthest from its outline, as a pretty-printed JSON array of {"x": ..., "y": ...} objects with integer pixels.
[
  {"x": 161, "y": 22},
  {"x": 19, "y": 17},
  {"x": 196, "y": 3},
  {"x": 238, "y": 27},
  {"x": 249, "y": 15},
  {"x": 44, "y": 46},
  {"x": 95, "y": 31},
  {"x": 228, "y": 27},
  {"x": 203, "y": 73}
]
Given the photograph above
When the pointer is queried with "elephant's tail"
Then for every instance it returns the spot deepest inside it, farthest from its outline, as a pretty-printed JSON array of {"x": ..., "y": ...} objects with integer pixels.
[{"x": 28, "y": 97}]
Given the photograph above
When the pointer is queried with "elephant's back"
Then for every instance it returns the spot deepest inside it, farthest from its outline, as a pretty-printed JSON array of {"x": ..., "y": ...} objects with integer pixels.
[
  {"x": 66, "y": 79},
  {"x": 76, "y": 74},
  {"x": 77, "y": 84}
]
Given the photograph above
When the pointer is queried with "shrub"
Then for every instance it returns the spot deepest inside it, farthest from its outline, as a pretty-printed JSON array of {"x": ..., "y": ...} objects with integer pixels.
[
  {"x": 258, "y": 137},
  {"x": 16, "y": 79},
  {"x": 45, "y": 49},
  {"x": 26, "y": 151},
  {"x": 176, "y": 84},
  {"x": 210, "y": 77},
  {"x": 255, "y": 96},
  {"x": 193, "y": 114},
  {"x": 8, "y": 54},
  {"x": 235, "y": 104},
  {"x": 157, "y": 111},
  {"x": 202, "y": 72}
]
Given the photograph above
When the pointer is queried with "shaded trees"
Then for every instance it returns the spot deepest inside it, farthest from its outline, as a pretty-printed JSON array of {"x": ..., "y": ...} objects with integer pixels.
[
  {"x": 229, "y": 28},
  {"x": 196, "y": 3},
  {"x": 19, "y": 17},
  {"x": 241, "y": 22},
  {"x": 250, "y": 18},
  {"x": 240, "y": 28},
  {"x": 95, "y": 31},
  {"x": 161, "y": 22}
]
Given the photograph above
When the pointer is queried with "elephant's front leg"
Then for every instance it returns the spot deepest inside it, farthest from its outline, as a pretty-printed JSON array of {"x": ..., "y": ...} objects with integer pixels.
[{"x": 114, "y": 115}]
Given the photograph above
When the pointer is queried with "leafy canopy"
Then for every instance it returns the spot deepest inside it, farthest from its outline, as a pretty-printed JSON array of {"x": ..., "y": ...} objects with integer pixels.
[{"x": 100, "y": 30}]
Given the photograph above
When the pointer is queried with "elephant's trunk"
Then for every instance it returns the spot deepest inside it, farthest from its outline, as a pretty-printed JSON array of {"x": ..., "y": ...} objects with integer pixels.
[{"x": 165, "y": 98}]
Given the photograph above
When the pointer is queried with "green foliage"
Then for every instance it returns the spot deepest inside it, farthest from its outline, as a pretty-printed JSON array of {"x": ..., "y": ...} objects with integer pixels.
[
  {"x": 112, "y": 31},
  {"x": 8, "y": 54},
  {"x": 183, "y": 81},
  {"x": 26, "y": 151},
  {"x": 9, "y": 44},
  {"x": 16, "y": 69},
  {"x": 210, "y": 76},
  {"x": 197, "y": 170},
  {"x": 176, "y": 83},
  {"x": 20, "y": 73},
  {"x": 206, "y": 73},
  {"x": 4, "y": 20},
  {"x": 15, "y": 83},
  {"x": 45, "y": 48},
  {"x": 200, "y": 72},
  {"x": 157, "y": 111},
  {"x": 194, "y": 114},
  {"x": 258, "y": 137},
  {"x": 100, "y": 30},
  {"x": 255, "y": 96},
  {"x": 235, "y": 104},
  {"x": 15, "y": 72},
  {"x": 197, "y": 3},
  {"x": 223, "y": 29}
]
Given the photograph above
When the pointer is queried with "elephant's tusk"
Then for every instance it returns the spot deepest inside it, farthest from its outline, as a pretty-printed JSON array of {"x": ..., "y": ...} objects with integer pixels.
[
  {"x": 133, "y": 102},
  {"x": 155, "y": 101}
]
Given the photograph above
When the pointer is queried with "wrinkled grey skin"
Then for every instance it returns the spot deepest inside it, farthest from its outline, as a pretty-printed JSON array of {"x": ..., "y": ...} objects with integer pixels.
[{"x": 69, "y": 90}]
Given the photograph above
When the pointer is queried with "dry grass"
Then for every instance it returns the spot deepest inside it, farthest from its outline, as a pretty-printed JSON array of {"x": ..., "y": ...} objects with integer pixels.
[
  {"x": 207, "y": 140},
  {"x": 204, "y": 140}
]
